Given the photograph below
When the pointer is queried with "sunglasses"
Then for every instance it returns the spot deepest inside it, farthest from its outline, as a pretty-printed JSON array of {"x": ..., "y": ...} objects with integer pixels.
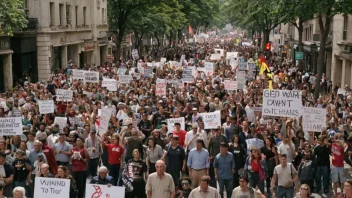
[{"x": 185, "y": 184}]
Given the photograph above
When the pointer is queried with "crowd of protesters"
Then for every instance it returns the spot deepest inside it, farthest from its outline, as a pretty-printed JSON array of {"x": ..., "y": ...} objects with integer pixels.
[{"x": 141, "y": 153}]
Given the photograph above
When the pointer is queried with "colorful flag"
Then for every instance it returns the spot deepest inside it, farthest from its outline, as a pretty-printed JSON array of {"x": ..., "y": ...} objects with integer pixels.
[
  {"x": 190, "y": 30},
  {"x": 264, "y": 68}
]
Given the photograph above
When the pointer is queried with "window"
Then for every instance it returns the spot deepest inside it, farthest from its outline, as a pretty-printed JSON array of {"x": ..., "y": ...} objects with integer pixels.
[
  {"x": 76, "y": 14},
  {"x": 345, "y": 23},
  {"x": 52, "y": 13},
  {"x": 68, "y": 14},
  {"x": 61, "y": 12},
  {"x": 84, "y": 16},
  {"x": 103, "y": 19},
  {"x": 26, "y": 8}
]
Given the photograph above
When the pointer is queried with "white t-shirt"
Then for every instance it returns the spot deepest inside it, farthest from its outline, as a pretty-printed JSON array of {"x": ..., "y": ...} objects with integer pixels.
[
  {"x": 285, "y": 174},
  {"x": 238, "y": 193},
  {"x": 285, "y": 149}
]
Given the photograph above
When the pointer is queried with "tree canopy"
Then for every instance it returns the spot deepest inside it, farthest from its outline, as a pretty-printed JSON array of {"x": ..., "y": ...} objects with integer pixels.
[{"x": 11, "y": 16}]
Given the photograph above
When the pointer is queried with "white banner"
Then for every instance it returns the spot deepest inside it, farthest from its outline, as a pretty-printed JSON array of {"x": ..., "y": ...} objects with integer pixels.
[
  {"x": 254, "y": 142},
  {"x": 171, "y": 123},
  {"x": 160, "y": 87},
  {"x": 125, "y": 79},
  {"x": 241, "y": 80},
  {"x": 285, "y": 103},
  {"x": 209, "y": 68},
  {"x": 97, "y": 191},
  {"x": 64, "y": 95},
  {"x": 211, "y": 120},
  {"x": 215, "y": 57},
  {"x": 314, "y": 119},
  {"x": 91, "y": 77},
  {"x": 46, "y": 106},
  {"x": 219, "y": 51},
  {"x": 104, "y": 119},
  {"x": 233, "y": 63},
  {"x": 231, "y": 55},
  {"x": 78, "y": 74},
  {"x": 110, "y": 84},
  {"x": 187, "y": 75},
  {"x": 46, "y": 187},
  {"x": 11, "y": 126},
  {"x": 230, "y": 85}
]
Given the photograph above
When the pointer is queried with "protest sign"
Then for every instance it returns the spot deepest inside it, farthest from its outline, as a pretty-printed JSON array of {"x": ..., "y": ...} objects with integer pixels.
[
  {"x": 64, "y": 95},
  {"x": 314, "y": 119},
  {"x": 46, "y": 106},
  {"x": 231, "y": 55},
  {"x": 171, "y": 123},
  {"x": 215, "y": 57},
  {"x": 147, "y": 71},
  {"x": 110, "y": 84},
  {"x": 240, "y": 79},
  {"x": 341, "y": 91},
  {"x": 254, "y": 142},
  {"x": 125, "y": 79},
  {"x": 252, "y": 68},
  {"x": 173, "y": 81},
  {"x": 104, "y": 119},
  {"x": 122, "y": 70},
  {"x": 45, "y": 187},
  {"x": 233, "y": 63},
  {"x": 95, "y": 191},
  {"x": 211, "y": 120},
  {"x": 286, "y": 103},
  {"x": 209, "y": 68},
  {"x": 230, "y": 85},
  {"x": 16, "y": 113},
  {"x": 91, "y": 77},
  {"x": 61, "y": 121},
  {"x": 160, "y": 87},
  {"x": 11, "y": 126},
  {"x": 242, "y": 64},
  {"x": 162, "y": 60},
  {"x": 77, "y": 120},
  {"x": 135, "y": 54},
  {"x": 78, "y": 74},
  {"x": 187, "y": 75},
  {"x": 219, "y": 51}
]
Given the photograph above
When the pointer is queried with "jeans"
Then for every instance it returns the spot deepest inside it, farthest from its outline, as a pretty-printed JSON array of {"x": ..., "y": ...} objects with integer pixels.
[
  {"x": 114, "y": 172},
  {"x": 226, "y": 183},
  {"x": 212, "y": 175},
  {"x": 254, "y": 181},
  {"x": 322, "y": 171},
  {"x": 235, "y": 179},
  {"x": 284, "y": 192},
  {"x": 92, "y": 167},
  {"x": 80, "y": 178}
]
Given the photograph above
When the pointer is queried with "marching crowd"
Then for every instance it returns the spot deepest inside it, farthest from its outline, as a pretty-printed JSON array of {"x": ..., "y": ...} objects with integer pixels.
[{"x": 150, "y": 158}]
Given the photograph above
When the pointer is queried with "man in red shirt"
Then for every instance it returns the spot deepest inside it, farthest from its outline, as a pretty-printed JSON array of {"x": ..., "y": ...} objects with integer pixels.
[
  {"x": 180, "y": 133},
  {"x": 115, "y": 156},
  {"x": 337, "y": 151},
  {"x": 48, "y": 152}
]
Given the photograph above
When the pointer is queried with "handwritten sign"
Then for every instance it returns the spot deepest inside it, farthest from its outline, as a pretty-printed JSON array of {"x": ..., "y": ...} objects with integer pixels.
[
  {"x": 211, "y": 120},
  {"x": 110, "y": 84},
  {"x": 240, "y": 79},
  {"x": 242, "y": 64},
  {"x": 135, "y": 54},
  {"x": 230, "y": 85},
  {"x": 233, "y": 63},
  {"x": 215, "y": 56},
  {"x": 91, "y": 77},
  {"x": 231, "y": 55},
  {"x": 286, "y": 103},
  {"x": 104, "y": 119},
  {"x": 171, "y": 123},
  {"x": 64, "y": 95},
  {"x": 11, "y": 126},
  {"x": 254, "y": 142},
  {"x": 160, "y": 87},
  {"x": 219, "y": 51},
  {"x": 46, "y": 106},
  {"x": 313, "y": 119},
  {"x": 51, "y": 187},
  {"x": 209, "y": 68},
  {"x": 61, "y": 121},
  {"x": 78, "y": 74},
  {"x": 187, "y": 75},
  {"x": 125, "y": 79},
  {"x": 103, "y": 191},
  {"x": 147, "y": 71}
]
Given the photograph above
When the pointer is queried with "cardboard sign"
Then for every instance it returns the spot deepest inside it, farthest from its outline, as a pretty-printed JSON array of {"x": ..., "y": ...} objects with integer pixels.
[
  {"x": 209, "y": 68},
  {"x": 61, "y": 121},
  {"x": 187, "y": 75},
  {"x": 242, "y": 64},
  {"x": 46, "y": 106},
  {"x": 215, "y": 57},
  {"x": 313, "y": 119},
  {"x": 211, "y": 120},
  {"x": 160, "y": 87},
  {"x": 64, "y": 95},
  {"x": 230, "y": 85},
  {"x": 219, "y": 51},
  {"x": 125, "y": 79},
  {"x": 285, "y": 103},
  {"x": 51, "y": 187},
  {"x": 241, "y": 80},
  {"x": 104, "y": 120},
  {"x": 254, "y": 142},
  {"x": 171, "y": 123},
  {"x": 233, "y": 63},
  {"x": 110, "y": 84},
  {"x": 11, "y": 126},
  {"x": 78, "y": 74},
  {"x": 103, "y": 191},
  {"x": 231, "y": 55},
  {"x": 91, "y": 77}
]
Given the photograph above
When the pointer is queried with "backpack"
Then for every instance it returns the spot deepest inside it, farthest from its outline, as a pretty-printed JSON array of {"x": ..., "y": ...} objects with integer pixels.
[{"x": 305, "y": 171}]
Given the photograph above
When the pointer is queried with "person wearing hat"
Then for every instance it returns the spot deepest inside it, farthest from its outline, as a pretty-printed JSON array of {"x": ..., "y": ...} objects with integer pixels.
[
  {"x": 52, "y": 138},
  {"x": 22, "y": 169},
  {"x": 63, "y": 150},
  {"x": 193, "y": 135},
  {"x": 203, "y": 187},
  {"x": 224, "y": 164},
  {"x": 180, "y": 133},
  {"x": 7, "y": 173}
]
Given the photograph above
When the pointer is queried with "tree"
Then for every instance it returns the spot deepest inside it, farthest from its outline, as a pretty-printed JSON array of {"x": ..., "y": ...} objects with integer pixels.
[{"x": 11, "y": 16}]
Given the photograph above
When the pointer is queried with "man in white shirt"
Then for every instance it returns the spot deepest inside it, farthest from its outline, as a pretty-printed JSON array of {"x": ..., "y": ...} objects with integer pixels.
[
  {"x": 250, "y": 112},
  {"x": 287, "y": 147},
  {"x": 193, "y": 135}
]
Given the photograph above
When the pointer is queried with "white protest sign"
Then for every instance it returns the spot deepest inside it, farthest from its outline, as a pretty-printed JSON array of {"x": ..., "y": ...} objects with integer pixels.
[
  {"x": 46, "y": 106},
  {"x": 341, "y": 91},
  {"x": 77, "y": 120},
  {"x": 91, "y": 77},
  {"x": 211, "y": 120},
  {"x": 125, "y": 79},
  {"x": 254, "y": 142},
  {"x": 231, "y": 55},
  {"x": 242, "y": 64},
  {"x": 215, "y": 57},
  {"x": 11, "y": 126},
  {"x": 61, "y": 121},
  {"x": 233, "y": 63},
  {"x": 64, "y": 95},
  {"x": 160, "y": 87},
  {"x": 285, "y": 103},
  {"x": 147, "y": 71},
  {"x": 94, "y": 190},
  {"x": 187, "y": 75},
  {"x": 51, "y": 187},
  {"x": 241, "y": 80},
  {"x": 313, "y": 119},
  {"x": 230, "y": 85},
  {"x": 110, "y": 84},
  {"x": 78, "y": 74},
  {"x": 104, "y": 119},
  {"x": 209, "y": 68},
  {"x": 162, "y": 60},
  {"x": 135, "y": 54},
  {"x": 122, "y": 70},
  {"x": 252, "y": 66},
  {"x": 171, "y": 123},
  {"x": 219, "y": 51}
]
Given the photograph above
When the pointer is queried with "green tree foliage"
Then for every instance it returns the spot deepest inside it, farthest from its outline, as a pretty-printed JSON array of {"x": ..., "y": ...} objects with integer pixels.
[{"x": 11, "y": 16}]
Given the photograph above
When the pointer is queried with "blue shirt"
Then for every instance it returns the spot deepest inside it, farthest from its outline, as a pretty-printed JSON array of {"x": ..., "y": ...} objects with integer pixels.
[
  {"x": 224, "y": 164},
  {"x": 198, "y": 160}
]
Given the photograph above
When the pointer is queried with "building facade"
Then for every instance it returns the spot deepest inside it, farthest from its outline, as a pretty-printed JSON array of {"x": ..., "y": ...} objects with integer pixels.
[{"x": 5, "y": 64}]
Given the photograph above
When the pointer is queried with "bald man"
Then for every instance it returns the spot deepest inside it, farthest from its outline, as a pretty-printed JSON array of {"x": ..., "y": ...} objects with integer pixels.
[{"x": 160, "y": 184}]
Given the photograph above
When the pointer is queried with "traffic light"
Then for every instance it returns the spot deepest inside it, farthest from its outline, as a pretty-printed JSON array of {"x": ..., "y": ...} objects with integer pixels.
[{"x": 268, "y": 47}]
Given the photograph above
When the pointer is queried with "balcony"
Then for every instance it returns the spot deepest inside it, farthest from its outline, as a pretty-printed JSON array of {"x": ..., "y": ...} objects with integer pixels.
[{"x": 32, "y": 24}]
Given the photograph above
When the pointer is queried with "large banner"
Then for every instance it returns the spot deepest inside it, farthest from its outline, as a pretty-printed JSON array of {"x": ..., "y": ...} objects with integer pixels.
[
  {"x": 104, "y": 191},
  {"x": 125, "y": 79},
  {"x": 171, "y": 123},
  {"x": 160, "y": 87},
  {"x": 211, "y": 120},
  {"x": 45, "y": 187},
  {"x": 285, "y": 103},
  {"x": 91, "y": 77},
  {"x": 11, "y": 126},
  {"x": 64, "y": 95},
  {"x": 209, "y": 68},
  {"x": 104, "y": 119},
  {"x": 46, "y": 106},
  {"x": 313, "y": 119}
]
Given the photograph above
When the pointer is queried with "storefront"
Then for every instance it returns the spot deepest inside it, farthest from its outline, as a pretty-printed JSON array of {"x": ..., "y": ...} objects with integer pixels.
[
  {"x": 86, "y": 56},
  {"x": 103, "y": 51},
  {"x": 6, "y": 81}
]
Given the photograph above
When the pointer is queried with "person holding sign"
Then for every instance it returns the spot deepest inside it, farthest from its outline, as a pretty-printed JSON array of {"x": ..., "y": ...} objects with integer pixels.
[
  {"x": 103, "y": 178},
  {"x": 79, "y": 161},
  {"x": 63, "y": 173}
]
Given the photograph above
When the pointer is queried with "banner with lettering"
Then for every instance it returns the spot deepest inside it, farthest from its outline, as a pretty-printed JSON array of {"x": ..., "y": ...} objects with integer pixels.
[
  {"x": 241, "y": 80},
  {"x": 104, "y": 191},
  {"x": 211, "y": 120},
  {"x": 160, "y": 87},
  {"x": 215, "y": 56},
  {"x": 125, "y": 79},
  {"x": 64, "y": 95},
  {"x": 231, "y": 55},
  {"x": 51, "y": 187},
  {"x": 171, "y": 123},
  {"x": 46, "y": 106},
  {"x": 91, "y": 77},
  {"x": 78, "y": 74},
  {"x": 209, "y": 68},
  {"x": 187, "y": 75},
  {"x": 285, "y": 103},
  {"x": 104, "y": 120},
  {"x": 110, "y": 84},
  {"x": 242, "y": 64},
  {"x": 11, "y": 126},
  {"x": 254, "y": 142},
  {"x": 230, "y": 85},
  {"x": 314, "y": 119}
]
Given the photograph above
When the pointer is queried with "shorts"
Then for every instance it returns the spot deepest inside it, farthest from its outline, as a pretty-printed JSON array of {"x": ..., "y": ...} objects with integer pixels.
[{"x": 337, "y": 172}]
